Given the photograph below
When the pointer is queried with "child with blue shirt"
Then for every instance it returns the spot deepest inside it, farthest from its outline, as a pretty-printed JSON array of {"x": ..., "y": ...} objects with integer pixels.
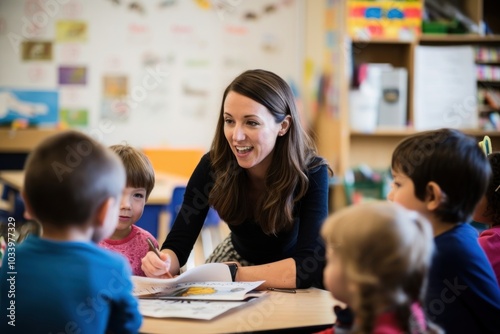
[
  {"x": 443, "y": 174},
  {"x": 64, "y": 282}
]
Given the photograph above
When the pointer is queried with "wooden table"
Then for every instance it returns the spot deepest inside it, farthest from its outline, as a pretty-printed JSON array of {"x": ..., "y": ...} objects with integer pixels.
[{"x": 306, "y": 311}]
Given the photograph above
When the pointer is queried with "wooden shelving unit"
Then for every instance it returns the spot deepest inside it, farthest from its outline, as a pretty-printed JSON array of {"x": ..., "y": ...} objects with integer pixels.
[{"x": 346, "y": 148}]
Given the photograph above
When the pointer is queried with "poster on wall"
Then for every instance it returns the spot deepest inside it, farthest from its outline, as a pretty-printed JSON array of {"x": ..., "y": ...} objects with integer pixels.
[
  {"x": 36, "y": 50},
  {"x": 114, "y": 103},
  {"x": 71, "y": 31},
  {"x": 37, "y": 107},
  {"x": 72, "y": 75},
  {"x": 74, "y": 117}
]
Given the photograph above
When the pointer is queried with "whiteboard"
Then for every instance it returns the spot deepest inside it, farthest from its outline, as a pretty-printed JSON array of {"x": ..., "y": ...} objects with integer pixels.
[{"x": 171, "y": 60}]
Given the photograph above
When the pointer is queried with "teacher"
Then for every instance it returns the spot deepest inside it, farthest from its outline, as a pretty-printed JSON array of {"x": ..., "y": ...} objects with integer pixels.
[{"x": 266, "y": 181}]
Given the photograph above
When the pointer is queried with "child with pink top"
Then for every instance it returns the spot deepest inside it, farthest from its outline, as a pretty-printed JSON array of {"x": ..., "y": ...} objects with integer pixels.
[
  {"x": 488, "y": 212},
  {"x": 129, "y": 239}
]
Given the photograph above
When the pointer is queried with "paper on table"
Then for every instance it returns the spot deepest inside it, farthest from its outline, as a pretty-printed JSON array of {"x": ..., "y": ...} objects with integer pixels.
[
  {"x": 203, "y": 310},
  {"x": 209, "y": 272},
  {"x": 210, "y": 291},
  {"x": 445, "y": 88}
]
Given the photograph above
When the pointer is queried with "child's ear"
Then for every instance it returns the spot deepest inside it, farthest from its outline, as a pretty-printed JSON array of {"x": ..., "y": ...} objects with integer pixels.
[
  {"x": 28, "y": 211},
  {"x": 434, "y": 196}
]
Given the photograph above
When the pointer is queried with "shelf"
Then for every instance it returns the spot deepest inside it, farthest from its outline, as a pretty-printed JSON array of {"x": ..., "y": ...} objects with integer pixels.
[
  {"x": 384, "y": 133},
  {"x": 23, "y": 140},
  {"x": 433, "y": 38},
  {"x": 487, "y": 62},
  {"x": 491, "y": 82},
  {"x": 410, "y": 131},
  {"x": 454, "y": 38},
  {"x": 381, "y": 41}
]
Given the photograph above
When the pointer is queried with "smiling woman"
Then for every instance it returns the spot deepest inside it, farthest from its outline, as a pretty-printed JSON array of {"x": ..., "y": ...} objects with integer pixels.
[{"x": 266, "y": 181}]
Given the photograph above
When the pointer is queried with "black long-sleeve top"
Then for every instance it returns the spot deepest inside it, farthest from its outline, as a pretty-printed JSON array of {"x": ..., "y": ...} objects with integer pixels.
[{"x": 303, "y": 242}]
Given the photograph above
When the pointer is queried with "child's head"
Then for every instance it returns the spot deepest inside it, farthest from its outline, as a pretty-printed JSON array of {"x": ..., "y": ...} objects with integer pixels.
[
  {"x": 71, "y": 180},
  {"x": 378, "y": 256},
  {"x": 443, "y": 172},
  {"x": 140, "y": 183},
  {"x": 488, "y": 209},
  {"x": 139, "y": 170}
]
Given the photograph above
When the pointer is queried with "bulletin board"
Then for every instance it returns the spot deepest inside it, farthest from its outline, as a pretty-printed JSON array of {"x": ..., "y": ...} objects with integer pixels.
[{"x": 148, "y": 72}]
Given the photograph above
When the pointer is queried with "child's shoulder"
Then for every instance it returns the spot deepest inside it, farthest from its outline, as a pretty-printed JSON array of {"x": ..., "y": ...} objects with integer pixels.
[
  {"x": 142, "y": 234},
  {"x": 461, "y": 236},
  {"x": 459, "y": 246}
]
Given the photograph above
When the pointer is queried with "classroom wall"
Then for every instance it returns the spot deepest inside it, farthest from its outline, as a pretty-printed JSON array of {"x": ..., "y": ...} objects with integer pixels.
[{"x": 148, "y": 72}]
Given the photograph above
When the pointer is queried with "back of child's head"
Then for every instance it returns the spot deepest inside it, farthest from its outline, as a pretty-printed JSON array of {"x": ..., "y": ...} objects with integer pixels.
[
  {"x": 69, "y": 176},
  {"x": 493, "y": 191},
  {"x": 453, "y": 161},
  {"x": 139, "y": 170},
  {"x": 385, "y": 252}
]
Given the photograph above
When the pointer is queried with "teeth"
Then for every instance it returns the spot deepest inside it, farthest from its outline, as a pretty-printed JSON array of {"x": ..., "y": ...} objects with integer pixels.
[{"x": 243, "y": 149}]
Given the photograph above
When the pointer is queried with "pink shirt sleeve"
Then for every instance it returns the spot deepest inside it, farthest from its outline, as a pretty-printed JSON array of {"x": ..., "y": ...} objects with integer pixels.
[{"x": 134, "y": 247}]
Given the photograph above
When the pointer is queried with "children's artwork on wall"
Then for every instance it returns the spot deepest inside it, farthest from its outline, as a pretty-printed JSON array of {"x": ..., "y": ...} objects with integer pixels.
[
  {"x": 115, "y": 86},
  {"x": 115, "y": 104},
  {"x": 72, "y": 75},
  {"x": 157, "y": 73},
  {"x": 74, "y": 117},
  {"x": 38, "y": 73},
  {"x": 139, "y": 33},
  {"x": 69, "y": 53},
  {"x": 115, "y": 109},
  {"x": 36, "y": 50},
  {"x": 71, "y": 31},
  {"x": 38, "y": 107},
  {"x": 137, "y": 7}
]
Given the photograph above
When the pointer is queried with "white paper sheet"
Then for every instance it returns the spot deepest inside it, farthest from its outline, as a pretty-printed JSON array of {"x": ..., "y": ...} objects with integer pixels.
[{"x": 445, "y": 88}]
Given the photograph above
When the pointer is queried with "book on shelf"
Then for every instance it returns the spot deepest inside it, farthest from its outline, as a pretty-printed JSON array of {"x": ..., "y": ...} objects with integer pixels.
[{"x": 203, "y": 292}]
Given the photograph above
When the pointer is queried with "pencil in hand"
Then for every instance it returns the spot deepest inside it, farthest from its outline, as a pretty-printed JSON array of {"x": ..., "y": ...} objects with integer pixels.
[{"x": 155, "y": 250}]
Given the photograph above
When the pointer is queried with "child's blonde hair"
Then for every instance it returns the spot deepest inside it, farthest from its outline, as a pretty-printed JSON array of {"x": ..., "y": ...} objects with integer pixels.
[{"x": 385, "y": 251}]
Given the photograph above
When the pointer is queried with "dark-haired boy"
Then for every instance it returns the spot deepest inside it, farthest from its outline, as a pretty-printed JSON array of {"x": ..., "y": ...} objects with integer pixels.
[
  {"x": 64, "y": 282},
  {"x": 443, "y": 174}
]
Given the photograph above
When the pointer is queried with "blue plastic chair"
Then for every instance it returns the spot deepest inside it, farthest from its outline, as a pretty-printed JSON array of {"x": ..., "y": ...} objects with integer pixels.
[
  {"x": 174, "y": 207},
  {"x": 210, "y": 234}
]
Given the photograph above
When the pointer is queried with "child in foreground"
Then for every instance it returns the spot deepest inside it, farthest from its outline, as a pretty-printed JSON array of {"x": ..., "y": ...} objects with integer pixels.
[
  {"x": 488, "y": 212},
  {"x": 443, "y": 174},
  {"x": 129, "y": 239},
  {"x": 64, "y": 282},
  {"x": 378, "y": 257}
]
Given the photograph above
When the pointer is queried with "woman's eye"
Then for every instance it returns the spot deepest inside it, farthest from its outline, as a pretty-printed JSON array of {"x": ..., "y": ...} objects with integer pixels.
[
  {"x": 253, "y": 123},
  {"x": 228, "y": 121}
]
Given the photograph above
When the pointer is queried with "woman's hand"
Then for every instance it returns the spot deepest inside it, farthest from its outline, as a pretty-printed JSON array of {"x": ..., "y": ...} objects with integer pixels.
[{"x": 157, "y": 267}]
